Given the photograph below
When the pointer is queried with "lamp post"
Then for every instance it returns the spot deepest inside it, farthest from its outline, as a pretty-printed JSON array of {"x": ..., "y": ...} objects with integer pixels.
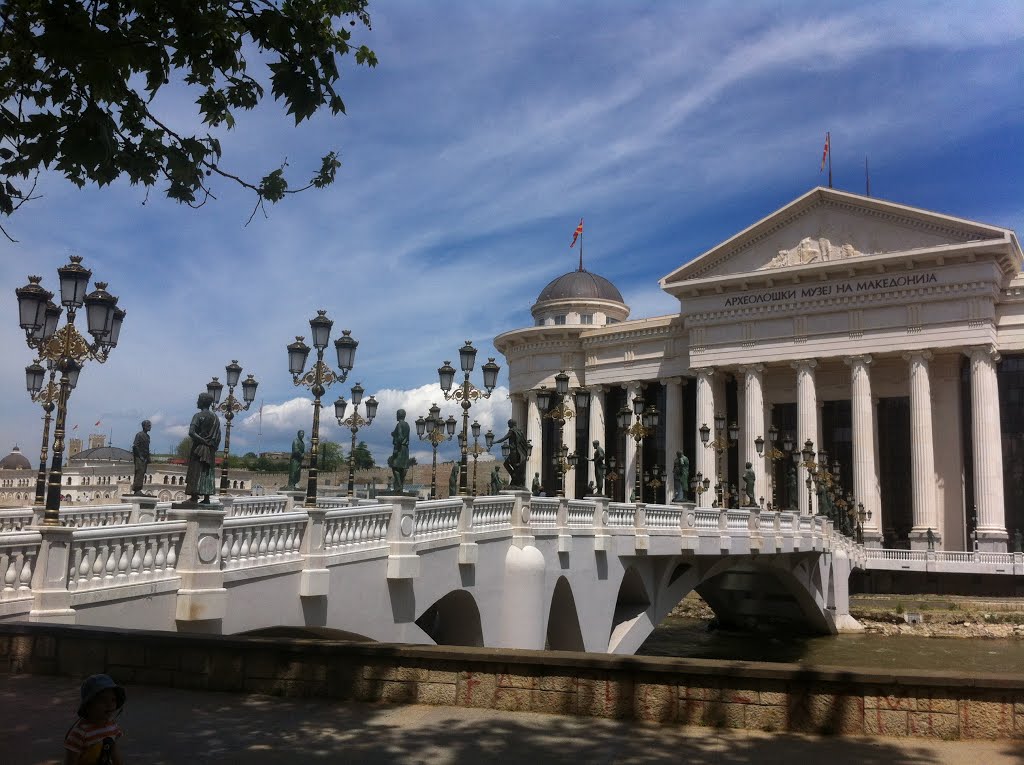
[
  {"x": 65, "y": 348},
  {"x": 774, "y": 454},
  {"x": 229, "y": 407},
  {"x": 700, "y": 484},
  {"x": 488, "y": 442},
  {"x": 646, "y": 422},
  {"x": 818, "y": 473},
  {"x": 611, "y": 476},
  {"x": 319, "y": 378},
  {"x": 353, "y": 422},
  {"x": 719, "y": 444},
  {"x": 47, "y": 396},
  {"x": 433, "y": 429},
  {"x": 560, "y": 414},
  {"x": 466, "y": 394},
  {"x": 653, "y": 478},
  {"x": 861, "y": 517}
]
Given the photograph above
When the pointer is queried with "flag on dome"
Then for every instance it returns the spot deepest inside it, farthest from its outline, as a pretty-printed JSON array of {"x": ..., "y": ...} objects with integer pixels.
[
  {"x": 576, "y": 234},
  {"x": 97, "y": 423},
  {"x": 824, "y": 153}
]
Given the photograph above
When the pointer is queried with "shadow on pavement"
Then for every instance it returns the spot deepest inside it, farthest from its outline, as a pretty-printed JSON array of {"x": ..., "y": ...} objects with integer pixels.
[{"x": 166, "y": 726}]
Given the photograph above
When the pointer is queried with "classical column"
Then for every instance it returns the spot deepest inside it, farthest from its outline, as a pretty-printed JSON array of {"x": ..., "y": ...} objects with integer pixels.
[
  {"x": 596, "y": 430},
  {"x": 519, "y": 409},
  {"x": 806, "y": 423},
  {"x": 922, "y": 452},
  {"x": 673, "y": 432},
  {"x": 569, "y": 439},
  {"x": 705, "y": 415},
  {"x": 865, "y": 474},
  {"x": 753, "y": 426},
  {"x": 533, "y": 434},
  {"x": 988, "y": 452},
  {"x": 629, "y": 473}
]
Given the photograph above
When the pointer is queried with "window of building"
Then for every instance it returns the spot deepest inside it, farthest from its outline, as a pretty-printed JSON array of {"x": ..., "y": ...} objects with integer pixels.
[
  {"x": 613, "y": 321},
  {"x": 586, "y": 318},
  {"x": 560, "y": 319},
  {"x": 539, "y": 322}
]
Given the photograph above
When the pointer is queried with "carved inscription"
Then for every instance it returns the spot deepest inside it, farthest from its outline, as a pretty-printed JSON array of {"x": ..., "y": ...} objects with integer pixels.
[{"x": 811, "y": 292}]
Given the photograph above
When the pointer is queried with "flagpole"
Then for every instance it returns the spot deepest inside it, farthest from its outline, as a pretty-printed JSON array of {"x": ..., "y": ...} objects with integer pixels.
[
  {"x": 829, "y": 159},
  {"x": 581, "y": 251},
  {"x": 867, "y": 178}
]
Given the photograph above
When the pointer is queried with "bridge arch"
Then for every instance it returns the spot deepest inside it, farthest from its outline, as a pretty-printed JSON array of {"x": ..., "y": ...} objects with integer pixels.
[
  {"x": 564, "y": 633},
  {"x": 453, "y": 620}
]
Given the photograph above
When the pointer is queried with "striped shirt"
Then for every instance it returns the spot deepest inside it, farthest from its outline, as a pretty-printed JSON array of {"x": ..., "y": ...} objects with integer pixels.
[{"x": 86, "y": 739}]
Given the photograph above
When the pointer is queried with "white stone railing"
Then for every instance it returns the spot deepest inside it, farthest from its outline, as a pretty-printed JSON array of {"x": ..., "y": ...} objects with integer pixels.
[
  {"x": 356, "y": 528},
  {"x": 544, "y": 512},
  {"x": 580, "y": 514},
  {"x": 621, "y": 515},
  {"x": 262, "y": 540},
  {"x": 492, "y": 513},
  {"x": 706, "y": 518},
  {"x": 268, "y": 504},
  {"x": 102, "y": 557},
  {"x": 88, "y": 516},
  {"x": 664, "y": 516},
  {"x": 18, "y": 551},
  {"x": 437, "y": 518},
  {"x": 16, "y": 519}
]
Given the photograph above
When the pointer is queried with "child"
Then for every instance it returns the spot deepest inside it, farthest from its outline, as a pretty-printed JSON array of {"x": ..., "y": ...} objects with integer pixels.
[{"x": 92, "y": 740}]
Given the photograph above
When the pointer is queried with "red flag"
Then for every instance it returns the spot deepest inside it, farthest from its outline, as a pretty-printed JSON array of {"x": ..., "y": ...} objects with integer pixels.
[
  {"x": 576, "y": 234},
  {"x": 97, "y": 423},
  {"x": 824, "y": 153}
]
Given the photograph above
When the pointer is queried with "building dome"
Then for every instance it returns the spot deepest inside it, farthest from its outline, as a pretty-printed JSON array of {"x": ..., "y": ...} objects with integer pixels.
[
  {"x": 15, "y": 461},
  {"x": 580, "y": 285},
  {"x": 103, "y": 454}
]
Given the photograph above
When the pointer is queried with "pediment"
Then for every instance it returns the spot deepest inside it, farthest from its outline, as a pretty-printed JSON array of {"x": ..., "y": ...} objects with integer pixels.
[{"x": 826, "y": 225}]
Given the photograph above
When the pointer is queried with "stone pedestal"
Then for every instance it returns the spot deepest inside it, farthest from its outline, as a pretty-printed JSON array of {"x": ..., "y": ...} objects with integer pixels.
[
  {"x": 201, "y": 596},
  {"x": 522, "y": 535},
  {"x": 296, "y": 498},
  {"x": 51, "y": 600},
  {"x": 403, "y": 563},
  {"x": 315, "y": 580},
  {"x": 143, "y": 508}
]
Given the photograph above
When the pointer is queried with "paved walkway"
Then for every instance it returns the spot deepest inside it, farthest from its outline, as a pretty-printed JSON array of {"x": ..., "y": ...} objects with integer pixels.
[{"x": 166, "y": 726}]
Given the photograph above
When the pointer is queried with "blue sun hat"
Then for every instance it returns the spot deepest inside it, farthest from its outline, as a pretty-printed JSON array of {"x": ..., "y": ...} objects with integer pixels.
[{"x": 95, "y": 684}]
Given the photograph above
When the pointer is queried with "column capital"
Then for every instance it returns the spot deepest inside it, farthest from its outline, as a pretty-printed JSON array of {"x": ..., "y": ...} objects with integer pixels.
[
  {"x": 980, "y": 352},
  {"x": 531, "y": 396},
  {"x": 922, "y": 355},
  {"x": 804, "y": 365},
  {"x": 861, "y": 360},
  {"x": 671, "y": 380},
  {"x": 595, "y": 389},
  {"x": 751, "y": 368},
  {"x": 705, "y": 372}
]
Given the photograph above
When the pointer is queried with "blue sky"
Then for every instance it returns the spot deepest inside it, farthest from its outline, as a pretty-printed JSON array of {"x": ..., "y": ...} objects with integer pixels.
[{"x": 470, "y": 153}]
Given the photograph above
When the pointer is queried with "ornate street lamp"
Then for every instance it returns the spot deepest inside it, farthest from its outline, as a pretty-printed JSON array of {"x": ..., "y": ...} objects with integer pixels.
[
  {"x": 466, "y": 394},
  {"x": 319, "y": 378},
  {"x": 773, "y": 454},
  {"x": 561, "y": 413},
  {"x": 353, "y": 422},
  {"x": 477, "y": 450},
  {"x": 646, "y": 423},
  {"x": 45, "y": 394},
  {"x": 611, "y": 476},
  {"x": 230, "y": 407},
  {"x": 719, "y": 444},
  {"x": 435, "y": 430},
  {"x": 700, "y": 484},
  {"x": 65, "y": 350}
]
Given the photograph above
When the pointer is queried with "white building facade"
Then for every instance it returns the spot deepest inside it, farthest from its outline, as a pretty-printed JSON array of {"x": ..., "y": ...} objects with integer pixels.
[{"x": 890, "y": 337}]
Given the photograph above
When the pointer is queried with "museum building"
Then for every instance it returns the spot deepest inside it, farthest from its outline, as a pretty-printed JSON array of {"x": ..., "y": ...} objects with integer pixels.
[{"x": 890, "y": 337}]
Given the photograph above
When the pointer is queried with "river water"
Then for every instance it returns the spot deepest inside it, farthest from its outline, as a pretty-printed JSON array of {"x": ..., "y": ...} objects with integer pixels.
[{"x": 688, "y": 637}]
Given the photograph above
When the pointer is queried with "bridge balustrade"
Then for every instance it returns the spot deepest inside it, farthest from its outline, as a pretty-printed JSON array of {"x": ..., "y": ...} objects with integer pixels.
[
  {"x": 492, "y": 513},
  {"x": 18, "y": 551},
  {"x": 105, "y": 557},
  {"x": 356, "y": 528},
  {"x": 437, "y": 518},
  {"x": 544, "y": 512},
  {"x": 256, "y": 505},
  {"x": 16, "y": 519},
  {"x": 262, "y": 540}
]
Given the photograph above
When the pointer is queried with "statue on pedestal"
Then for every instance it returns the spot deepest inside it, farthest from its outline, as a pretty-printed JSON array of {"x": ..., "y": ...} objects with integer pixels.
[
  {"x": 791, "y": 488},
  {"x": 140, "y": 454},
  {"x": 515, "y": 463},
  {"x": 749, "y": 479},
  {"x": 535, "y": 488},
  {"x": 295, "y": 463},
  {"x": 399, "y": 459},
  {"x": 205, "y": 434},
  {"x": 930, "y": 537},
  {"x": 680, "y": 477},
  {"x": 496, "y": 483},
  {"x": 599, "y": 468},
  {"x": 453, "y": 481}
]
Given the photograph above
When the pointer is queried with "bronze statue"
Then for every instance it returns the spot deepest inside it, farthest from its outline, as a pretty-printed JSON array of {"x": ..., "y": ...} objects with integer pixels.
[
  {"x": 496, "y": 483},
  {"x": 399, "y": 459},
  {"x": 535, "y": 488},
  {"x": 931, "y": 540},
  {"x": 140, "y": 453},
  {"x": 453, "y": 481},
  {"x": 295, "y": 464},
  {"x": 599, "y": 469},
  {"x": 791, "y": 487},
  {"x": 515, "y": 463},
  {"x": 680, "y": 477},
  {"x": 205, "y": 434},
  {"x": 749, "y": 479},
  {"x": 1018, "y": 540}
]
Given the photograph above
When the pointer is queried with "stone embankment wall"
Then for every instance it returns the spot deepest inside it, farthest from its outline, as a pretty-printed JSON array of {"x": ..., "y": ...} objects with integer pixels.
[{"x": 772, "y": 697}]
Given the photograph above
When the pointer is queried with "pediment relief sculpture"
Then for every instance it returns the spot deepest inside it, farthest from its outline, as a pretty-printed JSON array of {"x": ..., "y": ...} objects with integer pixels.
[{"x": 811, "y": 250}]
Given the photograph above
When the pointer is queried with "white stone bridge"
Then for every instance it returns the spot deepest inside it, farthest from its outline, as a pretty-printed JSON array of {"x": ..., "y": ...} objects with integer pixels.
[{"x": 509, "y": 570}]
